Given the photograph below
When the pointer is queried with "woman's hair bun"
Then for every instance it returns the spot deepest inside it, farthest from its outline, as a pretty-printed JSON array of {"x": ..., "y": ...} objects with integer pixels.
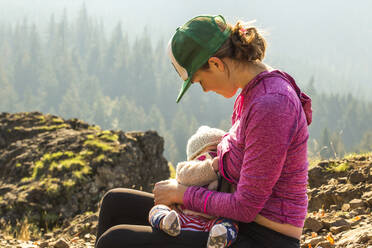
[
  {"x": 248, "y": 43},
  {"x": 245, "y": 44}
]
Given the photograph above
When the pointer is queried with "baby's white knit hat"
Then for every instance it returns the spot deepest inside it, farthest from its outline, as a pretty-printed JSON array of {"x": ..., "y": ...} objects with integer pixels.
[{"x": 204, "y": 136}]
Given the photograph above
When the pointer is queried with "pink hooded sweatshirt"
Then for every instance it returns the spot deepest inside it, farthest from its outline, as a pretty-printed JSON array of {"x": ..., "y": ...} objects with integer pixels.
[{"x": 264, "y": 154}]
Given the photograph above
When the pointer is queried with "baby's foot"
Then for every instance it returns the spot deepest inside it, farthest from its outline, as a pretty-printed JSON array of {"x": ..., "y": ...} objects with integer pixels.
[
  {"x": 217, "y": 237},
  {"x": 171, "y": 224}
]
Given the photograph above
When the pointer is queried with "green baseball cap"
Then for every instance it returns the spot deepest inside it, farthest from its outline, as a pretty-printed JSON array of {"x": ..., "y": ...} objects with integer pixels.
[{"x": 193, "y": 44}]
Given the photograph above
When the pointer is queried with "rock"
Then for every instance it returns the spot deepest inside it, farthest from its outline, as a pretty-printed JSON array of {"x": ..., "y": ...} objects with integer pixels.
[
  {"x": 313, "y": 241},
  {"x": 61, "y": 243},
  {"x": 345, "y": 207},
  {"x": 359, "y": 211},
  {"x": 324, "y": 244},
  {"x": 356, "y": 203},
  {"x": 334, "y": 222},
  {"x": 313, "y": 224},
  {"x": 2, "y": 142},
  {"x": 54, "y": 169},
  {"x": 340, "y": 222},
  {"x": 356, "y": 177},
  {"x": 356, "y": 235},
  {"x": 367, "y": 198},
  {"x": 44, "y": 244},
  {"x": 338, "y": 229},
  {"x": 333, "y": 207},
  {"x": 323, "y": 164},
  {"x": 367, "y": 195},
  {"x": 316, "y": 176},
  {"x": 342, "y": 179},
  {"x": 362, "y": 158},
  {"x": 48, "y": 235}
]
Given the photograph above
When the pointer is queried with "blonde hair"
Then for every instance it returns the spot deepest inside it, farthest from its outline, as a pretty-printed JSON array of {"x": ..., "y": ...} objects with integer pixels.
[{"x": 245, "y": 44}]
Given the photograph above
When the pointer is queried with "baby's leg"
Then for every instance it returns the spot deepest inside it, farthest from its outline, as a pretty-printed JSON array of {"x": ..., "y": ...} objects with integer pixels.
[
  {"x": 163, "y": 218},
  {"x": 223, "y": 233}
]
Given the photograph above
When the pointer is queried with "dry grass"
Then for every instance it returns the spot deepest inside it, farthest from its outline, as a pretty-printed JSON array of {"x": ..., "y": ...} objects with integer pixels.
[{"x": 22, "y": 231}]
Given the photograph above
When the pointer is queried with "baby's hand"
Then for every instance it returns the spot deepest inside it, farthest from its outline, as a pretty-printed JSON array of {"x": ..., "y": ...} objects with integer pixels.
[{"x": 215, "y": 164}]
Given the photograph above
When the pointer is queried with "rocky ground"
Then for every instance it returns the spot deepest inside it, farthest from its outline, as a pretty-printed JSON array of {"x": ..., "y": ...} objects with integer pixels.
[
  {"x": 76, "y": 233},
  {"x": 340, "y": 191},
  {"x": 340, "y": 202}
]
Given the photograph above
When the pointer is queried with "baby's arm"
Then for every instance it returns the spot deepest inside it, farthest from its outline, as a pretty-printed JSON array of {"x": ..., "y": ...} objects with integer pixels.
[{"x": 196, "y": 173}]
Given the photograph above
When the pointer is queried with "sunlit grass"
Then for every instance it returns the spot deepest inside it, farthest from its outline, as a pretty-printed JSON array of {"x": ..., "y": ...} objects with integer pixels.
[
  {"x": 313, "y": 162},
  {"x": 338, "y": 167},
  {"x": 57, "y": 120},
  {"x": 69, "y": 183},
  {"x": 42, "y": 128},
  {"x": 172, "y": 171},
  {"x": 98, "y": 144},
  {"x": 52, "y": 127},
  {"x": 100, "y": 158},
  {"x": 357, "y": 155}
]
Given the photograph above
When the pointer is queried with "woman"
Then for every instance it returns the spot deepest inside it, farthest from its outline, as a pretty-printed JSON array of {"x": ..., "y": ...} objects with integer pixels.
[{"x": 264, "y": 155}]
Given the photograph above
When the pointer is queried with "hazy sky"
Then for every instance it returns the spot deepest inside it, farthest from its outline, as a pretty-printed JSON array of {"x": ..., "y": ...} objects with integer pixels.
[{"x": 331, "y": 35}]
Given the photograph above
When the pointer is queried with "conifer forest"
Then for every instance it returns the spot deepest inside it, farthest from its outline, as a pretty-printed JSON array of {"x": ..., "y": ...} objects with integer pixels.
[{"x": 77, "y": 68}]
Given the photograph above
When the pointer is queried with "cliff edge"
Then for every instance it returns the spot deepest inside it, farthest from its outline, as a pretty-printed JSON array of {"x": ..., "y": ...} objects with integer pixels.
[{"x": 53, "y": 170}]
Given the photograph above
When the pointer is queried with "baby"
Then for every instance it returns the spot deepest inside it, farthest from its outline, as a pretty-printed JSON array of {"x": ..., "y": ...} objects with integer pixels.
[{"x": 197, "y": 170}]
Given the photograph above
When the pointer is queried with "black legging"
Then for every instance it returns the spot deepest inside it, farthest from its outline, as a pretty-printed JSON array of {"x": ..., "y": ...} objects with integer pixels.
[{"x": 123, "y": 223}]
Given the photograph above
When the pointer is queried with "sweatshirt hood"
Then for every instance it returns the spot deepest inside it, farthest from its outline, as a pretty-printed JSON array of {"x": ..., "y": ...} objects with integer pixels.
[{"x": 305, "y": 99}]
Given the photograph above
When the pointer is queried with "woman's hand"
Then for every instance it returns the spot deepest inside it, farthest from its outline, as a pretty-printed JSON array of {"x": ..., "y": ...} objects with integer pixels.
[{"x": 168, "y": 192}]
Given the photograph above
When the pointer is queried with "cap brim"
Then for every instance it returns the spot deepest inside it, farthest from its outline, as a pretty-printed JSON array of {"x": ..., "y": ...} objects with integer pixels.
[{"x": 184, "y": 88}]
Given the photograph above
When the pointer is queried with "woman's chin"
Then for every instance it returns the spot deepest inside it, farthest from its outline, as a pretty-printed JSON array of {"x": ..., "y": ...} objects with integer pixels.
[
  {"x": 229, "y": 95},
  {"x": 226, "y": 94}
]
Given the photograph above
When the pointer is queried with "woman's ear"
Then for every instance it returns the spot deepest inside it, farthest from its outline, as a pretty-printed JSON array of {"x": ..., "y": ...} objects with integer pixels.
[{"x": 216, "y": 64}]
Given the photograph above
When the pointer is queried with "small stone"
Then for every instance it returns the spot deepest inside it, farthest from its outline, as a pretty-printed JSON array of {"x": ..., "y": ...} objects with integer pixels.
[
  {"x": 362, "y": 158},
  {"x": 313, "y": 224},
  {"x": 338, "y": 229},
  {"x": 334, "y": 222},
  {"x": 74, "y": 240},
  {"x": 323, "y": 244},
  {"x": 342, "y": 179},
  {"x": 360, "y": 211},
  {"x": 44, "y": 244},
  {"x": 48, "y": 235},
  {"x": 355, "y": 221},
  {"x": 333, "y": 181},
  {"x": 323, "y": 164},
  {"x": 333, "y": 207},
  {"x": 367, "y": 195},
  {"x": 356, "y": 203},
  {"x": 61, "y": 243},
  {"x": 345, "y": 207},
  {"x": 356, "y": 177},
  {"x": 369, "y": 201},
  {"x": 313, "y": 241}
]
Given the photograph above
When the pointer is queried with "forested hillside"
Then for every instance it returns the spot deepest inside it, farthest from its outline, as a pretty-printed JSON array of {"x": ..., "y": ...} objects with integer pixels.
[{"x": 77, "y": 68}]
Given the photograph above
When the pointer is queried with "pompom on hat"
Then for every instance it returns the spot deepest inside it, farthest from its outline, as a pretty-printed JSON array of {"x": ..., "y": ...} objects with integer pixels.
[{"x": 205, "y": 136}]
